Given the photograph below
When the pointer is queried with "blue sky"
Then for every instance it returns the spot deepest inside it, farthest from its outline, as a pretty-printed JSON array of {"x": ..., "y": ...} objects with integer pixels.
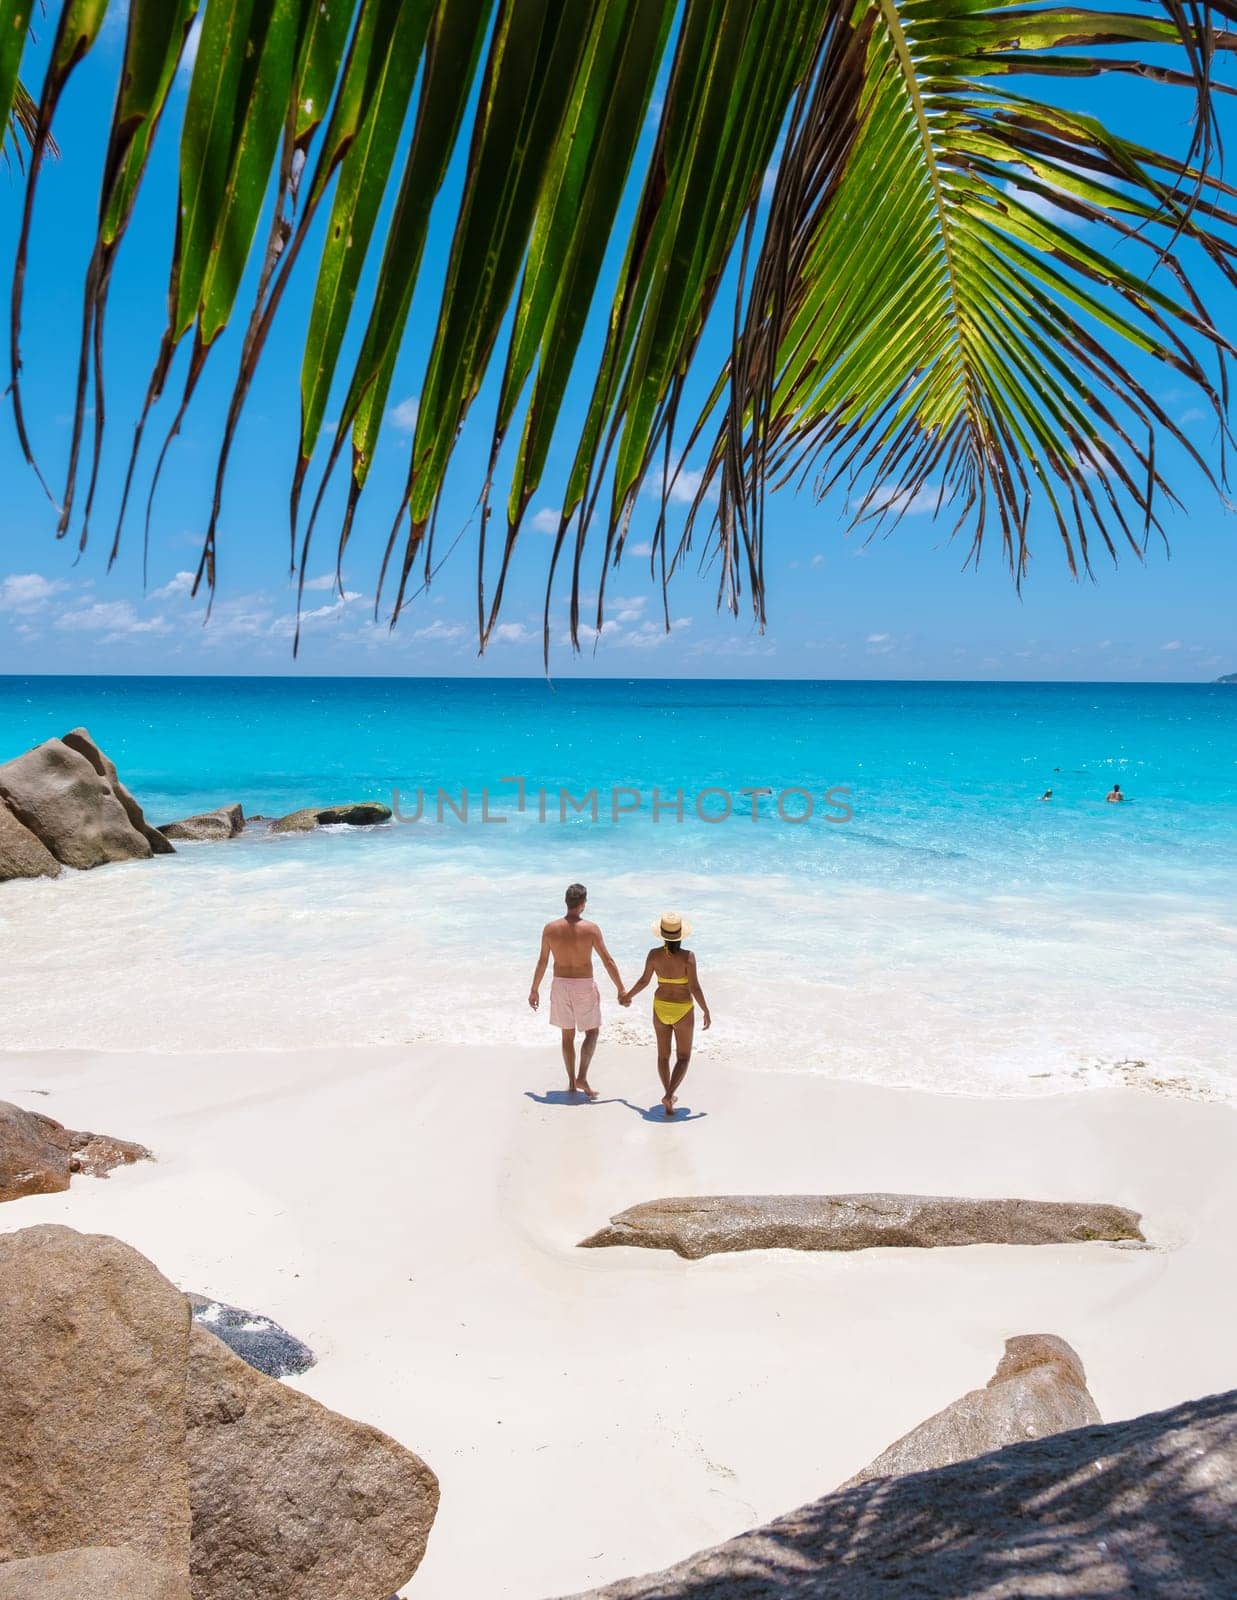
[{"x": 900, "y": 607}]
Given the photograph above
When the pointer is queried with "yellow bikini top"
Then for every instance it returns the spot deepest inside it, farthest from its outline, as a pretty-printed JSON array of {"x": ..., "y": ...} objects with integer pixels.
[{"x": 674, "y": 980}]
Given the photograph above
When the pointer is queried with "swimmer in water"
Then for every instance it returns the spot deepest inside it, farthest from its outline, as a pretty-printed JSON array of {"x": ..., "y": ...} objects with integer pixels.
[
  {"x": 1047, "y": 795},
  {"x": 1114, "y": 795}
]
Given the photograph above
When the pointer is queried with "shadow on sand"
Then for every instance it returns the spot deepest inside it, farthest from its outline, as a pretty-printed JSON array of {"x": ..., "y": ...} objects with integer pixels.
[
  {"x": 1140, "y": 1508},
  {"x": 653, "y": 1113}
]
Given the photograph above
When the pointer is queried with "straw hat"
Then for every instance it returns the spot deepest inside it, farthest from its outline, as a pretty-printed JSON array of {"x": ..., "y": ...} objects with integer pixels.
[{"x": 672, "y": 926}]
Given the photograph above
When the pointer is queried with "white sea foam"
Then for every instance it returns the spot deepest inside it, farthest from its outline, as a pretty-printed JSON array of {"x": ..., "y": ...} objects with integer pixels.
[{"x": 336, "y": 939}]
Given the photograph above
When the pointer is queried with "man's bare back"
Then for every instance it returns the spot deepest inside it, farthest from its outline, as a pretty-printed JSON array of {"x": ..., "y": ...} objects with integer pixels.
[{"x": 572, "y": 941}]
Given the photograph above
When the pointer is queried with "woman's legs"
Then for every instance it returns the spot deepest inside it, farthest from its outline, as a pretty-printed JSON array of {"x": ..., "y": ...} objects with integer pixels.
[
  {"x": 683, "y": 1030},
  {"x": 665, "y": 1038}
]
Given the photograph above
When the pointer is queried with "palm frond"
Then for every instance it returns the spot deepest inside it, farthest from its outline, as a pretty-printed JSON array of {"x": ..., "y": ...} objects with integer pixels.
[
  {"x": 962, "y": 321},
  {"x": 954, "y": 292}
]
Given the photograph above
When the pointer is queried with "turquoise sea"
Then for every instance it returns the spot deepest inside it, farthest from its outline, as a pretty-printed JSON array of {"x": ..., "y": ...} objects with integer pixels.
[{"x": 953, "y": 930}]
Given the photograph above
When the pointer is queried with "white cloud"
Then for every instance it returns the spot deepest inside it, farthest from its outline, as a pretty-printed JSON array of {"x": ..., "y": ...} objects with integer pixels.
[
  {"x": 639, "y": 550},
  {"x": 734, "y": 647},
  {"x": 627, "y": 610},
  {"x": 684, "y": 485},
  {"x": 645, "y": 635},
  {"x": 818, "y": 561},
  {"x": 895, "y": 499},
  {"x": 404, "y": 415},
  {"x": 190, "y": 53},
  {"x": 27, "y": 591},
  {"x": 1173, "y": 644},
  {"x": 176, "y": 588},
  {"x": 877, "y": 638},
  {"x": 115, "y": 619},
  {"x": 1193, "y": 415},
  {"x": 440, "y": 630},
  {"x": 325, "y": 580},
  {"x": 546, "y": 520},
  {"x": 511, "y": 633},
  {"x": 287, "y": 625}
]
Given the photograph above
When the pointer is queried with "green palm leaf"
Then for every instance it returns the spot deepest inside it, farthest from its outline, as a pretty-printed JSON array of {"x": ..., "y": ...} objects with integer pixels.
[
  {"x": 956, "y": 292},
  {"x": 945, "y": 333}
]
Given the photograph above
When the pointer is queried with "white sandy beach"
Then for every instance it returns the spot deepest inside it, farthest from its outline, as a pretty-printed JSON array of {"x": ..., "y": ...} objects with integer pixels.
[{"x": 412, "y": 1214}]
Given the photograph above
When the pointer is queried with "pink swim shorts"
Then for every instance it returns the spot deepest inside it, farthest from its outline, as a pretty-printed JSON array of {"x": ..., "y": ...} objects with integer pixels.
[{"x": 575, "y": 1003}]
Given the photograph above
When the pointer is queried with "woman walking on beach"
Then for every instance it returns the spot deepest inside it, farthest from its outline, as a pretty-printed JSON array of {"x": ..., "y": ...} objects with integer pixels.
[{"x": 674, "y": 1001}]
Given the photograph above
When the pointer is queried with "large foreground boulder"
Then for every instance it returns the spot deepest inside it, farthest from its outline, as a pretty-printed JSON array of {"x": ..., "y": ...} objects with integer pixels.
[
  {"x": 1144, "y": 1509},
  {"x": 39, "y": 1155},
  {"x": 22, "y": 853},
  {"x": 291, "y": 1501},
  {"x": 96, "y": 1573},
  {"x": 259, "y": 1342},
  {"x": 121, "y": 1424},
  {"x": 706, "y": 1224},
  {"x": 72, "y": 808},
  {"x": 359, "y": 814},
  {"x": 1039, "y": 1388},
  {"x": 225, "y": 822},
  {"x": 94, "y": 1347},
  {"x": 78, "y": 739}
]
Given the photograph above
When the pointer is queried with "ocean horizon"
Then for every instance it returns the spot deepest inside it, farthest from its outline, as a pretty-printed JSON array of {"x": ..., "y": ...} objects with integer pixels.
[{"x": 930, "y": 923}]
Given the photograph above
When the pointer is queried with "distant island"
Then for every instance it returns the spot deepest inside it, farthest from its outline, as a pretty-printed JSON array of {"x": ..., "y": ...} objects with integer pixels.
[{"x": 1229, "y": 677}]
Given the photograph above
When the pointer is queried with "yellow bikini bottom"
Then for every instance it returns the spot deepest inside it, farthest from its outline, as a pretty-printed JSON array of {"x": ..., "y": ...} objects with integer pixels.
[{"x": 671, "y": 1011}]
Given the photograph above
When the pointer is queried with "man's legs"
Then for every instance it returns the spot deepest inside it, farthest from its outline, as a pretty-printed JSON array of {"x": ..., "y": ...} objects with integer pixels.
[
  {"x": 586, "y": 1057},
  {"x": 569, "y": 1057}
]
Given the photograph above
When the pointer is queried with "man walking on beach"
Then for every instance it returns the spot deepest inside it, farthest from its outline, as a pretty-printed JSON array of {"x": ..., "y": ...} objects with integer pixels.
[{"x": 574, "y": 1001}]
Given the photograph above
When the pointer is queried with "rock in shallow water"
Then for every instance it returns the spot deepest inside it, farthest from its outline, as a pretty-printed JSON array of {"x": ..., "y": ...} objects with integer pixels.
[
  {"x": 1146, "y": 1508},
  {"x": 707, "y": 1224},
  {"x": 259, "y": 1342},
  {"x": 360, "y": 814},
  {"x": 225, "y": 822},
  {"x": 72, "y": 808},
  {"x": 1039, "y": 1388},
  {"x": 78, "y": 739},
  {"x": 38, "y": 1155}
]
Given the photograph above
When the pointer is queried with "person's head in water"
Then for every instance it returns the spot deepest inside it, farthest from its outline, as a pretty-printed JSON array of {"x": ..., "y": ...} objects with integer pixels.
[
  {"x": 576, "y": 897},
  {"x": 1047, "y": 795}
]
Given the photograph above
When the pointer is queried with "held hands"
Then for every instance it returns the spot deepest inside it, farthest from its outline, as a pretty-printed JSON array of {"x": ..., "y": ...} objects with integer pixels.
[{"x": 624, "y": 999}]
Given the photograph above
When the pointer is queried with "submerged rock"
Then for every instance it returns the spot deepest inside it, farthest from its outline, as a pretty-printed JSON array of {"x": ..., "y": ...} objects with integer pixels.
[
  {"x": 38, "y": 1155},
  {"x": 1038, "y": 1388},
  {"x": 225, "y": 822},
  {"x": 96, "y": 1572},
  {"x": 79, "y": 811},
  {"x": 360, "y": 814},
  {"x": 259, "y": 1342},
  {"x": 94, "y": 1344},
  {"x": 1146, "y": 1508},
  {"x": 22, "y": 853},
  {"x": 290, "y": 1499},
  {"x": 707, "y": 1224}
]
